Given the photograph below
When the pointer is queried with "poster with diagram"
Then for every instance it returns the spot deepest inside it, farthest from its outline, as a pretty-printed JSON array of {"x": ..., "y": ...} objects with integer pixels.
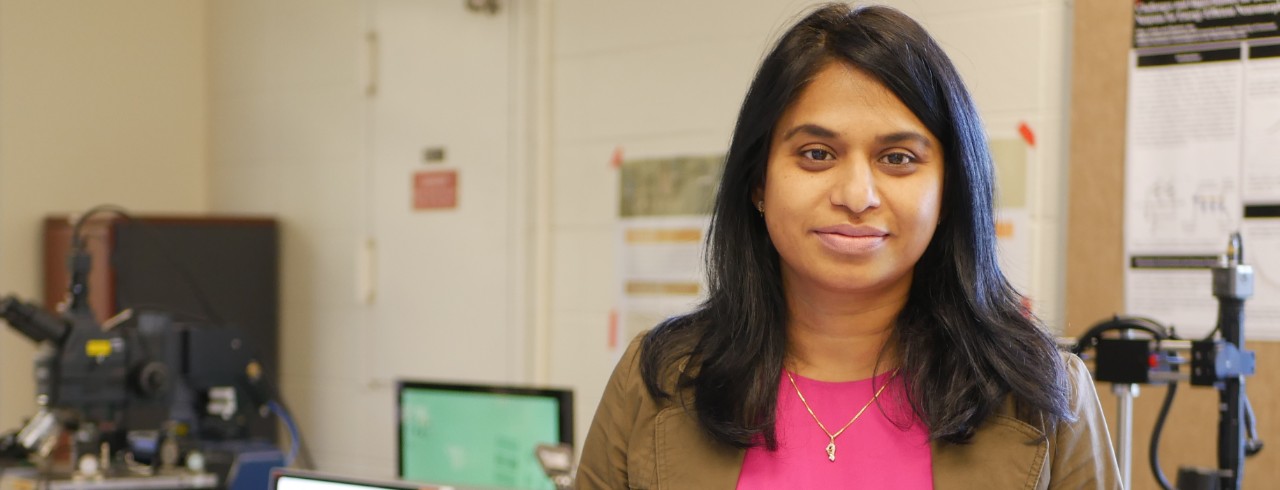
[
  {"x": 664, "y": 213},
  {"x": 1202, "y": 159}
]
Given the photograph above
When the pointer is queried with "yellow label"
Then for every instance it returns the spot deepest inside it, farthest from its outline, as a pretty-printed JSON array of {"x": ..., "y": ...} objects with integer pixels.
[
  {"x": 97, "y": 348},
  {"x": 638, "y": 288},
  {"x": 661, "y": 235}
]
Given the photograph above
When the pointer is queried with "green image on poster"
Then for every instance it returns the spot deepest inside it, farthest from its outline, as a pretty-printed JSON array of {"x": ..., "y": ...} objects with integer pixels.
[
  {"x": 477, "y": 439},
  {"x": 677, "y": 186}
]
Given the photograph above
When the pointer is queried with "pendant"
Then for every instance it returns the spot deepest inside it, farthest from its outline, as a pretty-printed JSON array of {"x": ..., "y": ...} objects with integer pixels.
[{"x": 831, "y": 451}]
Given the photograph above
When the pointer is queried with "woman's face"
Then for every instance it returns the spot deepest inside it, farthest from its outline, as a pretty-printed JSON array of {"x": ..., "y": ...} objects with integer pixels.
[{"x": 853, "y": 186}]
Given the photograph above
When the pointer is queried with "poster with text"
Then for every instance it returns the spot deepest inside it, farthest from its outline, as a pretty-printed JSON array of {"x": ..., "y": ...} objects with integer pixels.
[
  {"x": 664, "y": 213},
  {"x": 1202, "y": 159}
]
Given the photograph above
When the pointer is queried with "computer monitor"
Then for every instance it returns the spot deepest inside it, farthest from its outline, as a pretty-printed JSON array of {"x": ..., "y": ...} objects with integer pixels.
[
  {"x": 479, "y": 435},
  {"x": 292, "y": 479}
]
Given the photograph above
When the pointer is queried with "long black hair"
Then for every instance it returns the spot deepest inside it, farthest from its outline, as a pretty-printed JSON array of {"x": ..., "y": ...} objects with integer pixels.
[{"x": 964, "y": 340}]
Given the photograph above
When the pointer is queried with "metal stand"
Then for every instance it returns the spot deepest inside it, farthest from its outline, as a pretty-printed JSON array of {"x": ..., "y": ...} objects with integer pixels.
[
  {"x": 1217, "y": 361},
  {"x": 1125, "y": 393}
]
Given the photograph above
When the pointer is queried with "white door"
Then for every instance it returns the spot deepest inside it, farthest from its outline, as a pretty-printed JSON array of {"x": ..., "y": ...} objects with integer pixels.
[{"x": 444, "y": 81}]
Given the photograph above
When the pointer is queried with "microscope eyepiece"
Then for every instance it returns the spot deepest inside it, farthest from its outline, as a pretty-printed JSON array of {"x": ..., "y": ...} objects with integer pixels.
[{"x": 32, "y": 321}]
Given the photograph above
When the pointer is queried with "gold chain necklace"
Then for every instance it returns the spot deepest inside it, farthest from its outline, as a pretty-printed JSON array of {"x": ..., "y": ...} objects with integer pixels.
[{"x": 831, "y": 446}]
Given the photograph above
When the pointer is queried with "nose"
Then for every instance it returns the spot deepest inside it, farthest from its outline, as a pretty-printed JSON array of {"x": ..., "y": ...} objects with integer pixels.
[{"x": 856, "y": 188}]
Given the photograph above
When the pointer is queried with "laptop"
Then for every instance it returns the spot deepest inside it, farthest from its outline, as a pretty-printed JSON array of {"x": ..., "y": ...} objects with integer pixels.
[{"x": 294, "y": 479}]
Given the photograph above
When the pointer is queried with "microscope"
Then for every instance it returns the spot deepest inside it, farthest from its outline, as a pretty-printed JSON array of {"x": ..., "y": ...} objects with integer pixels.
[{"x": 142, "y": 400}]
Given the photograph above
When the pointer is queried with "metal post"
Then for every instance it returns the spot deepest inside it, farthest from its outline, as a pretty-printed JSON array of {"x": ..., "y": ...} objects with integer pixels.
[{"x": 1125, "y": 393}]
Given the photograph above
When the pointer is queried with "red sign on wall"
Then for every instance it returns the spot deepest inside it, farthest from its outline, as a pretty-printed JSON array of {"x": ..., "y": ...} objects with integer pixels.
[{"x": 437, "y": 189}]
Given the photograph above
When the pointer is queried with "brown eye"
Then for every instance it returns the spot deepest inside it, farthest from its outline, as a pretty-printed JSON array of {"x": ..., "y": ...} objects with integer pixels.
[
  {"x": 817, "y": 154},
  {"x": 898, "y": 158}
]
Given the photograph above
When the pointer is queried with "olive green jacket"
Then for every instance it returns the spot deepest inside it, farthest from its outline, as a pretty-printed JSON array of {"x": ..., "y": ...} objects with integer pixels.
[{"x": 636, "y": 442}]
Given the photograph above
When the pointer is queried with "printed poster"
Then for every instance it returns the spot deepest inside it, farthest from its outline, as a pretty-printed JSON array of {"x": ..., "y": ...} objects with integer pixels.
[
  {"x": 664, "y": 215},
  {"x": 1203, "y": 159}
]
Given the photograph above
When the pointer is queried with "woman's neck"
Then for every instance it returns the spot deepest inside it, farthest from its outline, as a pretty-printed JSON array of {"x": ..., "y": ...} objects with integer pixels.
[{"x": 839, "y": 337}]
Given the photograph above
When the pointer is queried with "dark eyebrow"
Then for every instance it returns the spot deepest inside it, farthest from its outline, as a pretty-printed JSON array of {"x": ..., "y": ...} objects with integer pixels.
[
  {"x": 888, "y": 139},
  {"x": 811, "y": 130},
  {"x": 901, "y": 136}
]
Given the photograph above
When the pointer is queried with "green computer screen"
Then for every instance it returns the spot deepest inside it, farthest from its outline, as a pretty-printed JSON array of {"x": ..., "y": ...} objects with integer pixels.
[{"x": 479, "y": 435}]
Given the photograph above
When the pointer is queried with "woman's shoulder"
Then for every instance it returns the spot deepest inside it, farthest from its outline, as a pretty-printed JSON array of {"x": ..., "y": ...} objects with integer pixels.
[
  {"x": 1082, "y": 395},
  {"x": 1083, "y": 407},
  {"x": 658, "y": 360},
  {"x": 638, "y": 373},
  {"x": 1082, "y": 451},
  {"x": 1078, "y": 384}
]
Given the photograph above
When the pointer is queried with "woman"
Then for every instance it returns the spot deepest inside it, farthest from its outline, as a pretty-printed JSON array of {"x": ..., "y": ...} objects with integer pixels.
[{"x": 858, "y": 331}]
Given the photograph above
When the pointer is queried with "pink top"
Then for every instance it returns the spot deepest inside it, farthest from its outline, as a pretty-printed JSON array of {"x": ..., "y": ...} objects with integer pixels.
[{"x": 872, "y": 453}]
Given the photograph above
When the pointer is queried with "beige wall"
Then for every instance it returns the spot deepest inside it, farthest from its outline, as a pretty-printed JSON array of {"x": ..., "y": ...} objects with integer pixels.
[{"x": 100, "y": 102}]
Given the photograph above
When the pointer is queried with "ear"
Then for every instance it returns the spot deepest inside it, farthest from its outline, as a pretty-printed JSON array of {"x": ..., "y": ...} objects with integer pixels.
[{"x": 757, "y": 191}]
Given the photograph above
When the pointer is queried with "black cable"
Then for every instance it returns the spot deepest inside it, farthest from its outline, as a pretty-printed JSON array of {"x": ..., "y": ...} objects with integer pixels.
[
  {"x": 1171, "y": 389},
  {"x": 80, "y": 263},
  {"x": 1253, "y": 445},
  {"x": 77, "y": 241},
  {"x": 198, "y": 293},
  {"x": 1090, "y": 338}
]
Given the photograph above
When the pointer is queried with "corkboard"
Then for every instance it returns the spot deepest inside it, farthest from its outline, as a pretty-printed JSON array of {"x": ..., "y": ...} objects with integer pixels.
[{"x": 1101, "y": 39}]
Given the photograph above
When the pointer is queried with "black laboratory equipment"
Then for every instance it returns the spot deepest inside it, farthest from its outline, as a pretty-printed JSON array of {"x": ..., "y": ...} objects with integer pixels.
[
  {"x": 145, "y": 399},
  {"x": 1147, "y": 352}
]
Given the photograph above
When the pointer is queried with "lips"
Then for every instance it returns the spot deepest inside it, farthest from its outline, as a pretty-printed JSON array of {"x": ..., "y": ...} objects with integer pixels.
[{"x": 848, "y": 239}]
